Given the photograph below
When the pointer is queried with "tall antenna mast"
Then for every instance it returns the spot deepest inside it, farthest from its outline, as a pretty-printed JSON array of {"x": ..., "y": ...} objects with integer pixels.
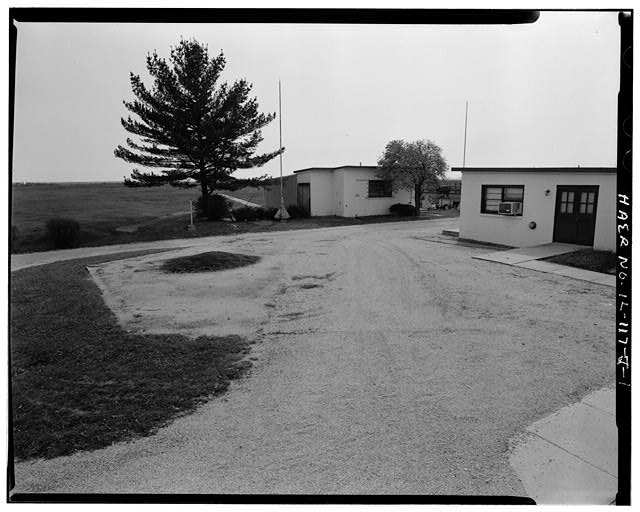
[
  {"x": 282, "y": 212},
  {"x": 464, "y": 154}
]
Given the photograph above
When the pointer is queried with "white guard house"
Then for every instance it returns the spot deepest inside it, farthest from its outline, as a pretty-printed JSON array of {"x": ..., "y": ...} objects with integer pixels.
[
  {"x": 346, "y": 191},
  {"x": 522, "y": 207}
]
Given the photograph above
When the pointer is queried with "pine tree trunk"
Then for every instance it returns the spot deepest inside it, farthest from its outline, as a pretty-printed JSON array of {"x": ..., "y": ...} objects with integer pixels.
[{"x": 205, "y": 197}]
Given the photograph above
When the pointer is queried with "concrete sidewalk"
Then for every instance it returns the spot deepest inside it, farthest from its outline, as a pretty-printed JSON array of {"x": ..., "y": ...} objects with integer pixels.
[
  {"x": 572, "y": 455},
  {"x": 528, "y": 257},
  {"x": 33, "y": 259}
]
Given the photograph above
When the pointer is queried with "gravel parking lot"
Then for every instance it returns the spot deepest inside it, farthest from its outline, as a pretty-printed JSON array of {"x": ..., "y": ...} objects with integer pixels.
[{"x": 385, "y": 361}]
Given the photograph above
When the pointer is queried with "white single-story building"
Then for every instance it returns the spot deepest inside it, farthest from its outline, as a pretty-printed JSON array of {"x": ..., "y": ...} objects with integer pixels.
[
  {"x": 346, "y": 191},
  {"x": 522, "y": 207}
]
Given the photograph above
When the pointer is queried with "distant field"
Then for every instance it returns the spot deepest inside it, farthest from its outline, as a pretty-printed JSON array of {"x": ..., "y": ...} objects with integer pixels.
[
  {"x": 34, "y": 204},
  {"x": 100, "y": 208}
]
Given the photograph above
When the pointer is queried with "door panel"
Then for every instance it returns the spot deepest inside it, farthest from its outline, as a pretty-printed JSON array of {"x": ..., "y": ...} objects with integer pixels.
[
  {"x": 575, "y": 218},
  {"x": 304, "y": 196}
]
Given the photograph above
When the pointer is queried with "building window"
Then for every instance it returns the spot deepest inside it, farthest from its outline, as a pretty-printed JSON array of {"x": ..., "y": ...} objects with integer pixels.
[
  {"x": 587, "y": 202},
  {"x": 380, "y": 188},
  {"x": 493, "y": 195}
]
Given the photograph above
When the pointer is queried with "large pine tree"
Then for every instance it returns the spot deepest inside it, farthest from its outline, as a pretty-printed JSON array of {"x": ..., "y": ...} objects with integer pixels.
[{"x": 191, "y": 128}]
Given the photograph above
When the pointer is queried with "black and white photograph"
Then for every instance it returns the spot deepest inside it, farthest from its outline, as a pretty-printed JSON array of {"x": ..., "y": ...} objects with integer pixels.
[{"x": 348, "y": 256}]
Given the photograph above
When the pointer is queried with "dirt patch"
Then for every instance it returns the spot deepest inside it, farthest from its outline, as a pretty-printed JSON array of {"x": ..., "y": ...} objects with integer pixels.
[
  {"x": 148, "y": 300},
  {"x": 291, "y": 316},
  {"x": 208, "y": 262},
  {"x": 328, "y": 276}
]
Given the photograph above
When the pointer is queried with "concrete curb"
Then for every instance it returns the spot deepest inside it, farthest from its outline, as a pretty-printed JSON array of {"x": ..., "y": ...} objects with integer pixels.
[{"x": 528, "y": 257}]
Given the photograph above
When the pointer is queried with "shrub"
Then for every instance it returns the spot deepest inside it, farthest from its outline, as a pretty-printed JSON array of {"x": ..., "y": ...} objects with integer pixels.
[
  {"x": 246, "y": 213},
  {"x": 269, "y": 213},
  {"x": 217, "y": 207},
  {"x": 403, "y": 210},
  {"x": 297, "y": 212},
  {"x": 14, "y": 234},
  {"x": 64, "y": 233}
]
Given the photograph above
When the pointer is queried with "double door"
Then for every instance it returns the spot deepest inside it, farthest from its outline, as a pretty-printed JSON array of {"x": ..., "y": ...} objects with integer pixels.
[{"x": 575, "y": 218}]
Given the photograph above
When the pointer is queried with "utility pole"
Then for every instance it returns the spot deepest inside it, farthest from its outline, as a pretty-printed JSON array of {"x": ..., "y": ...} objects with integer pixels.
[{"x": 282, "y": 213}]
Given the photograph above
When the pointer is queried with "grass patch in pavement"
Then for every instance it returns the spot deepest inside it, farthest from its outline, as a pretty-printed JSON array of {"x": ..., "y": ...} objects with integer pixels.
[
  {"x": 588, "y": 259},
  {"x": 79, "y": 382},
  {"x": 208, "y": 262}
]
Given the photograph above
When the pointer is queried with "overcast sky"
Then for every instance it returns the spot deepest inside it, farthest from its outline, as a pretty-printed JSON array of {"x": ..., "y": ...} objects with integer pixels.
[{"x": 539, "y": 95}]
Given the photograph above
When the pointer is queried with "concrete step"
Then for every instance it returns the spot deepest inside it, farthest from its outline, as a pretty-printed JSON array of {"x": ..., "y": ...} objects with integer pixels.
[{"x": 451, "y": 232}]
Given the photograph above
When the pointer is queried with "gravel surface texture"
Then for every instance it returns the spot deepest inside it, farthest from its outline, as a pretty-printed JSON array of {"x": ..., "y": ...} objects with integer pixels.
[{"x": 384, "y": 362}]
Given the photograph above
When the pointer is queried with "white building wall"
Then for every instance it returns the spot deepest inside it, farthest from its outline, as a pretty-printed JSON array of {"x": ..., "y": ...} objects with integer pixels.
[
  {"x": 604, "y": 238},
  {"x": 345, "y": 191},
  {"x": 320, "y": 190},
  {"x": 357, "y": 202},
  {"x": 338, "y": 192},
  {"x": 537, "y": 206},
  {"x": 303, "y": 177},
  {"x": 321, "y": 193}
]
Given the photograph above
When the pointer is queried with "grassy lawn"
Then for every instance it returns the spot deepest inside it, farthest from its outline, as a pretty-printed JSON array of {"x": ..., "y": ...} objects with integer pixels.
[
  {"x": 79, "y": 382},
  {"x": 101, "y": 209},
  {"x": 89, "y": 203},
  {"x": 588, "y": 259}
]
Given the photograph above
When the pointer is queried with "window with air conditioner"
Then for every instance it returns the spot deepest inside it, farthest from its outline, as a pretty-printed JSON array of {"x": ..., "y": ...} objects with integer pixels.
[{"x": 493, "y": 196}]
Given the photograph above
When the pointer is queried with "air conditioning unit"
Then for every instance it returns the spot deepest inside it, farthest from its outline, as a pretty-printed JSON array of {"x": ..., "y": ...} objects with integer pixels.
[{"x": 510, "y": 208}]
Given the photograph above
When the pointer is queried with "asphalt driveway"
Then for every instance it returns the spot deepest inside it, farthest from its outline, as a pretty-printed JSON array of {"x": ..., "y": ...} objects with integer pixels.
[{"x": 385, "y": 362}]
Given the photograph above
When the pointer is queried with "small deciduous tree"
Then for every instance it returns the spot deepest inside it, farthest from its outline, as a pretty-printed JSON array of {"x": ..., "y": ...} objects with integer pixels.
[
  {"x": 412, "y": 165},
  {"x": 191, "y": 128}
]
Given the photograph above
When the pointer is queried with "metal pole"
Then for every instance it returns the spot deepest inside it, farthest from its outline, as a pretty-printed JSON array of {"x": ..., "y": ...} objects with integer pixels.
[
  {"x": 464, "y": 154},
  {"x": 191, "y": 226},
  {"x": 280, "y": 120}
]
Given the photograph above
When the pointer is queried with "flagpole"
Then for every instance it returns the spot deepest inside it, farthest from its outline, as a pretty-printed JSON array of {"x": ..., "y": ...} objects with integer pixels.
[
  {"x": 464, "y": 154},
  {"x": 280, "y": 122},
  {"x": 282, "y": 212}
]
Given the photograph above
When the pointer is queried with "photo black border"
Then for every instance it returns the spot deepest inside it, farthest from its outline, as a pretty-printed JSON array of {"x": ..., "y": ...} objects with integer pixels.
[{"x": 364, "y": 16}]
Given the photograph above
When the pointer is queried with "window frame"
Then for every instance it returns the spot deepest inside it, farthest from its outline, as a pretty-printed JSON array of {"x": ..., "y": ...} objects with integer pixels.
[
  {"x": 483, "y": 198},
  {"x": 385, "y": 193}
]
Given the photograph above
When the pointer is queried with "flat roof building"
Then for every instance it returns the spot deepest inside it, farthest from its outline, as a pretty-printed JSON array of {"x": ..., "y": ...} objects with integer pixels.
[{"x": 526, "y": 206}]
